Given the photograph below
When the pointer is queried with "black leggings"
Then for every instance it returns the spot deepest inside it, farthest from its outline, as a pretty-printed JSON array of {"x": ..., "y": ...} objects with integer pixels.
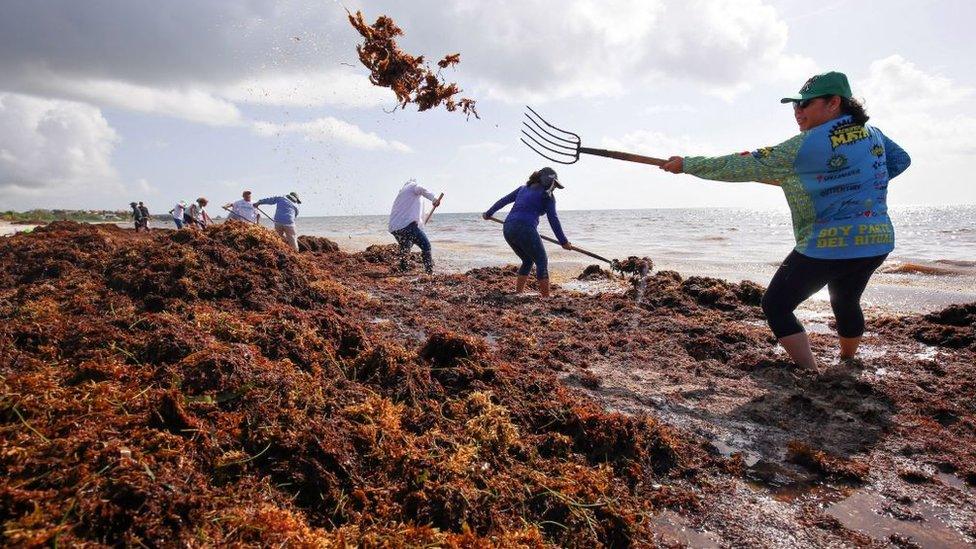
[{"x": 799, "y": 277}]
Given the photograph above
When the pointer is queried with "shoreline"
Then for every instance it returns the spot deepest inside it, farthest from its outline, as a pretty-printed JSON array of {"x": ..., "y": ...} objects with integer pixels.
[
  {"x": 7, "y": 228},
  {"x": 898, "y": 287}
]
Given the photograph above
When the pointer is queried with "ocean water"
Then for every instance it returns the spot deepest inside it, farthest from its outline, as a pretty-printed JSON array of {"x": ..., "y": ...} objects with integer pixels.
[{"x": 933, "y": 265}]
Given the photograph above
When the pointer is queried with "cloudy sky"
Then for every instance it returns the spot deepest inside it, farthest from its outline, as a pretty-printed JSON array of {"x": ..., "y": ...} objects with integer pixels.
[{"x": 103, "y": 102}]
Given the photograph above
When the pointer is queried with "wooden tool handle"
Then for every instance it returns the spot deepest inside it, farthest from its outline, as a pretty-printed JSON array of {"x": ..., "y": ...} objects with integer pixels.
[
  {"x": 624, "y": 156},
  {"x": 232, "y": 212},
  {"x": 434, "y": 208},
  {"x": 265, "y": 215},
  {"x": 554, "y": 241}
]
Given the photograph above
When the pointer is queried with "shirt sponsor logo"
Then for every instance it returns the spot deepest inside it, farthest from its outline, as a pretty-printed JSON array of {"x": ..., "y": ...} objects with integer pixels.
[
  {"x": 877, "y": 150},
  {"x": 837, "y": 162},
  {"x": 846, "y": 133},
  {"x": 821, "y": 177},
  {"x": 809, "y": 83},
  {"x": 841, "y": 189}
]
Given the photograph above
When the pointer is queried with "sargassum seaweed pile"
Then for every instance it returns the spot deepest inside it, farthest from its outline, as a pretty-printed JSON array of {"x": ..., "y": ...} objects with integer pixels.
[
  {"x": 214, "y": 387},
  {"x": 408, "y": 76}
]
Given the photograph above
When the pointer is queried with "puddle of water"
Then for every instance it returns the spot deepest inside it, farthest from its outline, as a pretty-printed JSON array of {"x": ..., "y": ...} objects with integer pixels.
[
  {"x": 674, "y": 528},
  {"x": 785, "y": 485},
  {"x": 593, "y": 287},
  {"x": 726, "y": 449},
  {"x": 864, "y": 511},
  {"x": 926, "y": 352},
  {"x": 870, "y": 352},
  {"x": 955, "y": 482}
]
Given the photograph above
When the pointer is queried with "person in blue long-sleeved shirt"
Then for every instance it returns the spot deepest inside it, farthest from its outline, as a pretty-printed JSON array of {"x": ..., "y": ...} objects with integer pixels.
[
  {"x": 522, "y": 225},
  {"x": 284, "y": 218},
  {"x": 835, "y": 176}
]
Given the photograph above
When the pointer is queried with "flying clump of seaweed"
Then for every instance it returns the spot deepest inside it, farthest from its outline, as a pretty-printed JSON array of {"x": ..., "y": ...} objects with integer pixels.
[{"x": 408, "y": 76}]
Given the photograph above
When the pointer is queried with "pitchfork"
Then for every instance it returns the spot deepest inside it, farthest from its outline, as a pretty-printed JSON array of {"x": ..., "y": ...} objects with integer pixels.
[{"x": 566, "y": 146}]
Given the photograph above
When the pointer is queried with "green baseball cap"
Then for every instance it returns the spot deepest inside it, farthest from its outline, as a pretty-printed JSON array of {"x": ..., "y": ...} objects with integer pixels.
[{"x": 828, "y": 83}]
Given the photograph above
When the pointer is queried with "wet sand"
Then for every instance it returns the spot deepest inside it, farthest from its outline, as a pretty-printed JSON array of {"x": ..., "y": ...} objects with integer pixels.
[
  {"x": 7, "y": 228},
  {"x": 276, "y": 397}
]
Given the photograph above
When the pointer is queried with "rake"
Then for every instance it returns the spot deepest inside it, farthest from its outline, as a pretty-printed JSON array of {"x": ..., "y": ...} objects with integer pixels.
[
  {"x": 565, "y": 147},
  {"x": 554, "y": 241}
]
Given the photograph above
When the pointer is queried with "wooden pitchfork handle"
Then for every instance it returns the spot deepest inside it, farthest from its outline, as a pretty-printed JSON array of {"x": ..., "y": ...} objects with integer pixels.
[
  {"x": 571, "y": 247},
  {"x": 265, "y": 215},
  {"x": 432, "y": 209},
  {"x": 232, "y": 212},
  {"x": 623, "y": 156}
]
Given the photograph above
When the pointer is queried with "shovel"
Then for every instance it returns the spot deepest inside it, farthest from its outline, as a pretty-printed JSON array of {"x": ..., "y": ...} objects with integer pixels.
[
  {"x": 565, "y": 147},
  {"x": 554, "y": 241}
]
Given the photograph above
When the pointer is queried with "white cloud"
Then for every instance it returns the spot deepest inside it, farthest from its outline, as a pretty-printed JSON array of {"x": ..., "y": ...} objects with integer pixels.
[
  {"x": 343, "y": 88},
  {"x": 181, "y": 65},
  {"x": 918, "y": 109},
  {"x": 46, "y": 145},
  {"x": 594, "y": 48},
  {"x": 192, "y": 104},
  {"x": 143, "y": 186},
  {"x": 896, "y": 82},
  {"x": 658, "y": 145},
  {"x": 662, "y": 109},
  {"x": 331, "y": 129}
]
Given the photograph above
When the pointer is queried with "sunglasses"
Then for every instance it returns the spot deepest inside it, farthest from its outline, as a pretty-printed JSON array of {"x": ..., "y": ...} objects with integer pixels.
[{"x": 806, "y": 102}]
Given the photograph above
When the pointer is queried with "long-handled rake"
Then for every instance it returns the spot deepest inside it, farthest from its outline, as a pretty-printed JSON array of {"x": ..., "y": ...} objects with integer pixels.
[
  {"x": 239, "y": 216},
  {"x": 554, "y": 241},
  {"x": 564, "y": 146}
]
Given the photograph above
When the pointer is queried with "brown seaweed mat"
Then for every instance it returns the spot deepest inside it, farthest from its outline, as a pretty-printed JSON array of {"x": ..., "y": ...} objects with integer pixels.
[{"x": 214, "y": 387}]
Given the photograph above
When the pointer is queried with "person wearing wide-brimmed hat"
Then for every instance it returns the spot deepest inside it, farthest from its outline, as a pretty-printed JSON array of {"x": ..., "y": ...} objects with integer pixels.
[
  {"x": 286, "y": 210},
  {"x": 835, "y": 176},
  {"x": 521, "y": 231},
  {"x": 196, "y": 214}
]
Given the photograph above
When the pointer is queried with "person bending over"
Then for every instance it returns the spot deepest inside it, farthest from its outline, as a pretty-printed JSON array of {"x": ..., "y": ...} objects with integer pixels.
[
  {"x": 406, "y": 223},
  {"x": 286, "y": 211},
  {"x": 521, "y": 228}
]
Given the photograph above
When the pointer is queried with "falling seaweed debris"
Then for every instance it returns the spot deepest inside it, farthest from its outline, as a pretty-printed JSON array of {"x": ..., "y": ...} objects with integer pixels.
[{"x": 408, "y": 76}]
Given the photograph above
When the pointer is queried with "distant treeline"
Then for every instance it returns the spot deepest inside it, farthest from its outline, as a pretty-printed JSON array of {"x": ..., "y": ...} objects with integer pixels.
[{"x": 46, "y": 216}]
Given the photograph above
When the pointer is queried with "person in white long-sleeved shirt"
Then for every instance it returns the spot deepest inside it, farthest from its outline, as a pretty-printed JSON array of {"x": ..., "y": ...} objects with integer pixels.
[
  {"x": 243, "y": 209},
  {"x": 406, "y": 220}
]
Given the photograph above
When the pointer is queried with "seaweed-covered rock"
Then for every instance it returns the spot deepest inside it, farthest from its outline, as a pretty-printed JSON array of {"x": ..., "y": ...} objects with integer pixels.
[
  {"x": 593, "y": 272},
  {"x": 316, "y": 244}
]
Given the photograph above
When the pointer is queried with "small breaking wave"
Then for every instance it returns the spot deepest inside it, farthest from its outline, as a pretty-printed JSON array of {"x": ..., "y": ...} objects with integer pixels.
[
  {"x": 956, "y": 262},
  {"x": 918, "y": 268}
]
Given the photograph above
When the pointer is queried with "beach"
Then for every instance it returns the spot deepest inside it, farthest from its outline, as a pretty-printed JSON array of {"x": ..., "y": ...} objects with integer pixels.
[
  {"x": 327, "y": 397},
  {"x": 933, "y": 265},
  {"x": 7, "y": 228}
]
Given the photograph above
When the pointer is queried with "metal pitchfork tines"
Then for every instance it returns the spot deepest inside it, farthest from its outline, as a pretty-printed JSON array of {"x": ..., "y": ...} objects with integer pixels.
[{"x": 565, "y": 147}]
